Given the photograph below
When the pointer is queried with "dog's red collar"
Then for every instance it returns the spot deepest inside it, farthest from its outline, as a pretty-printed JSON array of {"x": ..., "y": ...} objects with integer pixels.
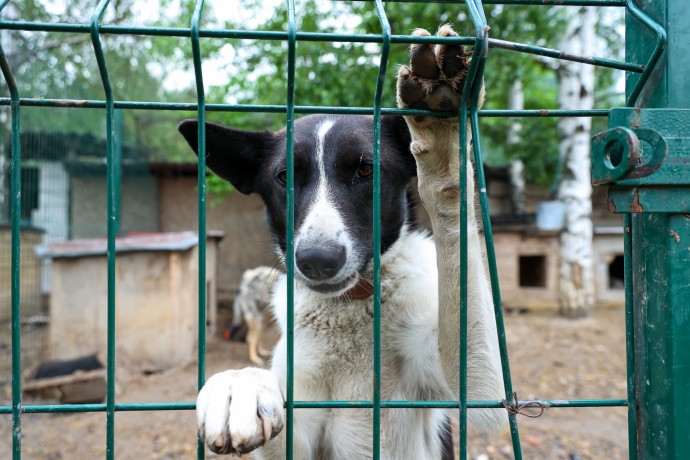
[{"x": 360, "y": 291}]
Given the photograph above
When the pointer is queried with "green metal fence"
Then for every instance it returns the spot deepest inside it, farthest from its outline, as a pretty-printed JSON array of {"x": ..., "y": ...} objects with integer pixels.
[{"x": 481, "y": 42}]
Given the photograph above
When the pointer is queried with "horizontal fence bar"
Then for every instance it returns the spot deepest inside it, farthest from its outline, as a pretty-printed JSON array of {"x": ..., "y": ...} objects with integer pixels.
[
  {"x": 302, "y": 109},
  {"x": 139, "y": 407},
  {"x": 562, "y": 55},
  {"x": 539, "y": 113},
  {"x": 183, "y": 32},
  {"x": 320, "y": 37},
  {"x": 519, "y": 2},
  {"x": 122, "y": 407},
  {"x": 546, "y": 403}
]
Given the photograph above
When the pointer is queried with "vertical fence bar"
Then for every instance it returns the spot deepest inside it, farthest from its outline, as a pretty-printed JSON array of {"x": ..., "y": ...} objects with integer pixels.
[
  {"x": 495, "y": 286},
  {"x": 462, "y": 416},
  {"x": 15, "y": 201},
  {"x": 290, "y": 229},
  {"x": 473, "y": 84},
  {"x": 201, "y": 204},
  {"x": 113, "y": 188},
  {"x": 385, "y": 51},
  {"x": 629, "y": 334},
  {"x": 491, "y": 254},
  {"x": 118, "y": 132}
]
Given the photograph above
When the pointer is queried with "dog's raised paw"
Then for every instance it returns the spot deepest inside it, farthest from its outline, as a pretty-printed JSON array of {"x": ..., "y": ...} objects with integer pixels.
[
  {"x": 238, "y": 411},
  {"x": 436, "y": 75}
]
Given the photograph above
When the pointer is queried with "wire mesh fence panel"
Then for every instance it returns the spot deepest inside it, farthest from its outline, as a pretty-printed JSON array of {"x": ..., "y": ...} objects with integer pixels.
[{"x": 47, "y": 176}]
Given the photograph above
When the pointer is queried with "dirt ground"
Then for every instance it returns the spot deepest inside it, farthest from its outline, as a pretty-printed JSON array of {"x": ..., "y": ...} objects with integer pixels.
[{"x": 550, "y": 358}]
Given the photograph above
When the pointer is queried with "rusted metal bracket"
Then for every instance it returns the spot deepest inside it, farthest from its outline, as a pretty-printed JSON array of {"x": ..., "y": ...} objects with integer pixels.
[
  {"x": 617, "y": 154},
  {"x": 645, "y": 156}
]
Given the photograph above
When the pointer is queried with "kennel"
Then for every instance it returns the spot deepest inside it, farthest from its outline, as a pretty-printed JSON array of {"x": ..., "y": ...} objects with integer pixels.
[
  {"x": 156, "y": 283},
  {"x": 650, "y": 188}
]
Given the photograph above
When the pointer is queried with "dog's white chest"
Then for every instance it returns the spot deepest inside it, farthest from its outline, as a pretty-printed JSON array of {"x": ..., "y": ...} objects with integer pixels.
[
  {"x": 336, "y": 340},
  {"x": 334, "y": 359}
]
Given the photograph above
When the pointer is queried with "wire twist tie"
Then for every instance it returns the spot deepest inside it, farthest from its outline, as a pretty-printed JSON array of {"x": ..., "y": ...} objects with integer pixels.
[{"x": 517, "y": 407}]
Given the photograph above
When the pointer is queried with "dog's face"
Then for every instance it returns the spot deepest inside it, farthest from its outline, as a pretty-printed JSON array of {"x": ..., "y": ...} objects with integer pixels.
[{"x": 333, "y": 188}]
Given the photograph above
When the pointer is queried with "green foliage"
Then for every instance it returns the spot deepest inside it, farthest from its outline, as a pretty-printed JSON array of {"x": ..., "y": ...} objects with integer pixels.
[
  {"x": 63, "y": 66},
  {"x": 217, "y": 189},
  {"x": 330, "y": 74}
]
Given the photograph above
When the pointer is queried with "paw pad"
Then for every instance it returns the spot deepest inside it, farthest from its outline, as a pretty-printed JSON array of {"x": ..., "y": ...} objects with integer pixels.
[{"x": 436, "y": 75}]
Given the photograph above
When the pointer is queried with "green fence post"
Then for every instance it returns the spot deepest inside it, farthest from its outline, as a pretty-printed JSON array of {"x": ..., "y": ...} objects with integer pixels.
[
  {"x": 290, "y": 228},
  {"x": 15, "y": 204},
  {"x": 646, "y": 155},
  {"x": 201, "y": 203},
  {"x": 385, "y": 52},
  {"x": 113, "y": 193}
]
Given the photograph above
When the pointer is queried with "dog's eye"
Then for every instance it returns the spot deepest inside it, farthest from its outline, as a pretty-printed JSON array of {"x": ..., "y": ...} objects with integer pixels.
[
  {"x": 282, "y": 176},
  {"x": 365, "y": 170}
]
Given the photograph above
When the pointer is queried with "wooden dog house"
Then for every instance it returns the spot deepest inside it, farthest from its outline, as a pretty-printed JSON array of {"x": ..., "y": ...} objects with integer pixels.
[{"x": 156, "y": 297}]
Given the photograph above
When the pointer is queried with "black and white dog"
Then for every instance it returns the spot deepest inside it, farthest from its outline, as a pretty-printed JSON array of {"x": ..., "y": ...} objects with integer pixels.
[{"x": 239, "y": 411}]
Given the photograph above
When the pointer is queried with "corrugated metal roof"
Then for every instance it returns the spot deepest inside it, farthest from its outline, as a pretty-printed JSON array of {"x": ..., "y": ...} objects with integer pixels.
[{"x": 176, "y": 241}]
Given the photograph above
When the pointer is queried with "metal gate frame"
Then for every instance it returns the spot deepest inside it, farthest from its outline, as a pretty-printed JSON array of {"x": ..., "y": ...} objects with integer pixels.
[{"x": 637, "y": 19}]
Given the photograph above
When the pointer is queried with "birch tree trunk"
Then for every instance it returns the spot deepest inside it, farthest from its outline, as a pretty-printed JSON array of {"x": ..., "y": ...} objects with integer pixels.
[
  {"x": 576, "y": 91},
  {"x": 516, "y": 101}
]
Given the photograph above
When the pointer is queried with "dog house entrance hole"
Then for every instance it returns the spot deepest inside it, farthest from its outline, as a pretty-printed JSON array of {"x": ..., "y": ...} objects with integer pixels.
[
  {"x": 617, "y": 273},
  {"x": 532, "y": 271}
]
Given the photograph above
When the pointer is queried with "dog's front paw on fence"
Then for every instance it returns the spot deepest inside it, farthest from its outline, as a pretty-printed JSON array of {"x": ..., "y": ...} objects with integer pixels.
[
  {"x": 435, "y": 78},
  {"x": 238, "y": 411}
]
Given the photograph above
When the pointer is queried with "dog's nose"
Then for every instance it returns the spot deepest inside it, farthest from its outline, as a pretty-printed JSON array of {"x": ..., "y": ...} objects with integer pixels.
[{"x": 320, "y": 262}]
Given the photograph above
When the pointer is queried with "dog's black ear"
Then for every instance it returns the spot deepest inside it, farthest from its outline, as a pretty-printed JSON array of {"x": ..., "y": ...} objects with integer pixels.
[
  {"x": 395, "y": 130},
  {"x": 232, "y": 154}
]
